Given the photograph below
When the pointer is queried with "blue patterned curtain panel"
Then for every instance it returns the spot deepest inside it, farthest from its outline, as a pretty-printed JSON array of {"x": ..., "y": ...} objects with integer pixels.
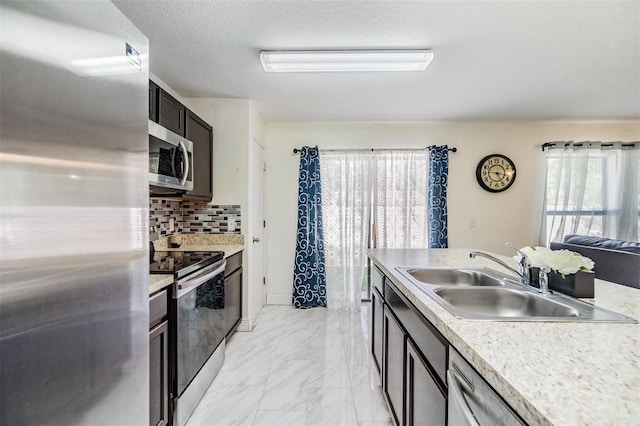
[
  {"x": 309, "y": 276},
  {"x": 437, "y": 202}
]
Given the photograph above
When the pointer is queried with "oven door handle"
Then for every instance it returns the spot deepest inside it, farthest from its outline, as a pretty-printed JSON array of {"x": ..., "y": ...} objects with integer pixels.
[{"x": 189, "y": 284}]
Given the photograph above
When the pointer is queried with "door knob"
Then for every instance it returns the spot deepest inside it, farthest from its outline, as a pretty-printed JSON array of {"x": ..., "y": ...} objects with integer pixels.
[{"x": 256, "y": 240}]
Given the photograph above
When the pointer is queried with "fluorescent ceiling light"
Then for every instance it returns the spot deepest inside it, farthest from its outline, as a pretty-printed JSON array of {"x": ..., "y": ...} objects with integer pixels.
[
  {"x": 112, "y": 65},
  {"x": 345, "y": 60}
]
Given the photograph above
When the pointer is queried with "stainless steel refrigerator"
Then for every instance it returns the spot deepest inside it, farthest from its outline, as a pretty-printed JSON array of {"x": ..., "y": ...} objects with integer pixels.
[{"x": 73, "y": 215}]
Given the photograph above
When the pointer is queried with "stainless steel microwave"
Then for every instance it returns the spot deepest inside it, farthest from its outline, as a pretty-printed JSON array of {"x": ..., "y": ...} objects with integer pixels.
[{"x": 170, "y": 160}]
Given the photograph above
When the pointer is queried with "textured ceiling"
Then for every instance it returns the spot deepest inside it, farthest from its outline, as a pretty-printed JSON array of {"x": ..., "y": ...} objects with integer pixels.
[{"x": 493, "y": 60}]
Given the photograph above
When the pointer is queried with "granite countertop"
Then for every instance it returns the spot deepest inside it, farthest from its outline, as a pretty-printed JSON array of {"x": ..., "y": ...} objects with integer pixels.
[
  {"x": 551, "y": 373},
  {"x": 228, "y": 249},
  {"x": 201, "y": 240},
  {"x": 159, "y": 281},
  {"x": 230, "y": 244}
]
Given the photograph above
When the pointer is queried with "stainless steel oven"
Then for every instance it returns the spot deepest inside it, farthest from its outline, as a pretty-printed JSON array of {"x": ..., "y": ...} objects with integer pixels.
[{"x": 197, "y": 328}]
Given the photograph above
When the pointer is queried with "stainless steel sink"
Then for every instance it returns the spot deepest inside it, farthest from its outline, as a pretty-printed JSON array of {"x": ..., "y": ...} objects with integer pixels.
[
  {"x": 483, "y": 294},
  {"x": 455, "y": 277},
  {"x": 503, "y": 303}
]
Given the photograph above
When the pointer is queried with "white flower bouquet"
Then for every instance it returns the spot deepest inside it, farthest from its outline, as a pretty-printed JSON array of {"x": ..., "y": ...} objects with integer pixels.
[{"x": 564, "y": 262}]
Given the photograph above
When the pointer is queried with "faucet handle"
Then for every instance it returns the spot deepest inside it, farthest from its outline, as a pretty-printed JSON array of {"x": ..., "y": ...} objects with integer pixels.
[
  {"x": 524, "y": 264},
  {"x": 520, "y": 252},
  {"x": 544, "y": 279}
]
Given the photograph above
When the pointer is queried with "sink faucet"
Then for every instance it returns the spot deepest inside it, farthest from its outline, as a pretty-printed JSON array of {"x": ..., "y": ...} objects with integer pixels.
[
  {"x": 473, "y": 254},
  {"x": 524, "y": 265}
]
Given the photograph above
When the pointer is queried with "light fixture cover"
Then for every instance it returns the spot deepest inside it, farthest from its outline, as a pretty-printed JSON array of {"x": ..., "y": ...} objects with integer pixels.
[{"x": 344, "y": 60}]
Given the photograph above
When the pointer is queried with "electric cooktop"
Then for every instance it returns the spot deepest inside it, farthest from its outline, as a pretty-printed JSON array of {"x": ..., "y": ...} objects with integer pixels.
[{"x": 182, "y": 263}]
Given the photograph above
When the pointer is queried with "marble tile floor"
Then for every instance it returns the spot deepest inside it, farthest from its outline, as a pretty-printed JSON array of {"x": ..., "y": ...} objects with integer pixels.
[{"x": 298, "y": 367}]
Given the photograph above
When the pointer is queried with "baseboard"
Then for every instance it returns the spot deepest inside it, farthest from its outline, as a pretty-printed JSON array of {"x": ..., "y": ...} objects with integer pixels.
[
  {"x": 245, "y": 325},
  {"x": 278, "y": 299}
]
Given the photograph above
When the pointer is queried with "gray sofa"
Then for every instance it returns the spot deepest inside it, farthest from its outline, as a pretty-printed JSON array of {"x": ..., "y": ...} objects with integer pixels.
[{"x": 615, "y": 260}]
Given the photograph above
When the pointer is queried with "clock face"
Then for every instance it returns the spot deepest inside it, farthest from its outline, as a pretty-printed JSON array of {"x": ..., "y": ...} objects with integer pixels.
[{"x": 495, "y": 173}]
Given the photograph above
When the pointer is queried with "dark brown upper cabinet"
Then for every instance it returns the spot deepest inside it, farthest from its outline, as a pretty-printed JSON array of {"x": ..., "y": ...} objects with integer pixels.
[
  {"x": 171, "y": 113},
  {"x": 201, "y": 134},
  {"x": 153, "y": 101}
]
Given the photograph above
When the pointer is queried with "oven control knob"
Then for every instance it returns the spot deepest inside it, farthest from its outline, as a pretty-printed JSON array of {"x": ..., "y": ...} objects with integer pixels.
[{"x": 256, "y": 240}]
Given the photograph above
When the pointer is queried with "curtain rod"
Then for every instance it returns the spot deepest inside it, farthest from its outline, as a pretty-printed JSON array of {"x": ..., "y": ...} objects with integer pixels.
[
  {"x": 297, "y": 150},
  {"x": 587, "y": 143}
]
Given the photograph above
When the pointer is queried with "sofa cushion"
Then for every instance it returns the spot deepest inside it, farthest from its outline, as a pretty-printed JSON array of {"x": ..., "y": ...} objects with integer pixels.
[
  {"x": 606, "y": 243},
  {"x": 620, "y": 265}
]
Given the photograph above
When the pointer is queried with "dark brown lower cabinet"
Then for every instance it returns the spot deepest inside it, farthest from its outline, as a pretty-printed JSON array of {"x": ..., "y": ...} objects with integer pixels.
[
  {"x": 377, "y": 327},
  {"x": 232, "y": 293},
  {"x": 159, "y": 413},
  {"x": 426, "y": 404},
  {"x": 159, "y": 374},
  {"x": 393, "y": 370},
  {"x": 233, "y": 301},
  {"x": 414, "y": 360}
]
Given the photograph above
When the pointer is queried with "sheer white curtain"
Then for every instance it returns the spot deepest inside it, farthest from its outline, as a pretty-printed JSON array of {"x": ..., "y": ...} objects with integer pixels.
[
  {"x": 592, "y": 189},
  {"x": 346, "y": 203},
  {"x": 400, "y": 199},
  {"x": 386, "y": 189}
]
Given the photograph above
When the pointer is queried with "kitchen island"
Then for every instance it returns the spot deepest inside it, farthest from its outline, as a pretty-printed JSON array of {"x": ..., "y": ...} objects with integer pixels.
[{"x": 551, "y": 373}]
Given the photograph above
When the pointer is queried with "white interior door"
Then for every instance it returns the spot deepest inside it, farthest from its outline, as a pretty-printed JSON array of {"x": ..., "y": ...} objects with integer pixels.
[{"x": 257, "y": 227}]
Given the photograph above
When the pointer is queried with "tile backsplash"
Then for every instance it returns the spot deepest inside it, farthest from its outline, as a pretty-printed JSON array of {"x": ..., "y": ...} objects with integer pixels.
[
  {"x": 162, "y": 211},
  {"x": 205, "y": 218},
  {"x": 194, "y": 217}
]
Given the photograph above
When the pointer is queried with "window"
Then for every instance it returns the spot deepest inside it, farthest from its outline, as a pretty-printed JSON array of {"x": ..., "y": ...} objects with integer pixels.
[{"x": 592, "y": 189}]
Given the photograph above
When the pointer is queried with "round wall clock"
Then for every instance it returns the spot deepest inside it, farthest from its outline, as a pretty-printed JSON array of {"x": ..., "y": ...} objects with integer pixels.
[{"x": 496, "y": 173}]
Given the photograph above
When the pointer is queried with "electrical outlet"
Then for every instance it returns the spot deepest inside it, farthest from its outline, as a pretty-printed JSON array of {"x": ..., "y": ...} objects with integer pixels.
[
  {"x": 172, "y": 225},
  {"x": 153, "y": 233}
]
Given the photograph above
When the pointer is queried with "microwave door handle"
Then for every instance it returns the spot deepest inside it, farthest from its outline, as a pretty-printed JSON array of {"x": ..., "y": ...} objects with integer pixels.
[
  {"x": 186, "y": 162},
  {"x": 191, "y": 283},
  {"x": 455, "y": 391}
]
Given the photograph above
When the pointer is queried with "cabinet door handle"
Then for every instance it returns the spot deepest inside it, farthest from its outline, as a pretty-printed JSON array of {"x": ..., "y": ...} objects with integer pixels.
[
  {"x": 256, "y": 239},
  {"x": 455, "y": 391}
]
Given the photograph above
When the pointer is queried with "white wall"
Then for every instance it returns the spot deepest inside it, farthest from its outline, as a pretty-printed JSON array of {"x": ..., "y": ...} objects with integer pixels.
[
  {"x": 230, "y": 121},
  {"x": 236, "y": 123},
  {"x": 510, "y": 216}
]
